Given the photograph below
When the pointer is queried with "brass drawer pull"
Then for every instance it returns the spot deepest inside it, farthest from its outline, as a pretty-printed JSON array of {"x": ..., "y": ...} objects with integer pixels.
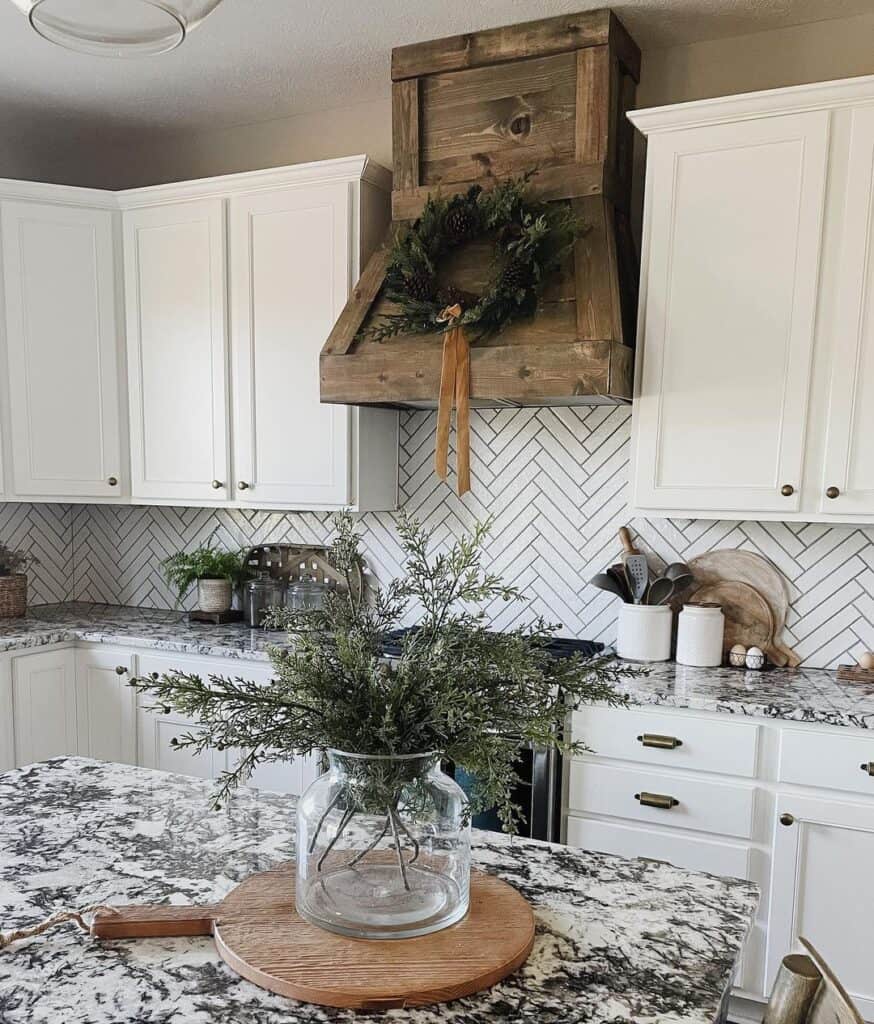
[
  {"x": 869, "y": 767},
  {"x": 652, "y": 739},
  {"x": 660, "y": 800}
]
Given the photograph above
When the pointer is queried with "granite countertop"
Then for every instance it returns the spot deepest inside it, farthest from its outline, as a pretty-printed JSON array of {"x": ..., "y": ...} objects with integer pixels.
[
  {"x": 797, "y": 695},
  {"x": 134, "y": 627},
  {"x": 618, "y": 940}
]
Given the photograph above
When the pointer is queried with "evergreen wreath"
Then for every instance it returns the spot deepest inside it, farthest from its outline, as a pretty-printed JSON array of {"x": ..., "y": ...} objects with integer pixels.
[{"x": 531, "y": 238}]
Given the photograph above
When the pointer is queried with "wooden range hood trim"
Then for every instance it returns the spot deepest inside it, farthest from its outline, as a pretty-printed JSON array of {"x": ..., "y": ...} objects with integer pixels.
[
  {"x": 522, "y": 374},
  {"x": 512, "y": 42}
]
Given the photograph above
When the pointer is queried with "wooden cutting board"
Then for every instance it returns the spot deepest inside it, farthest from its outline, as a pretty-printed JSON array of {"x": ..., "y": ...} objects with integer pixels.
[
  {"x": 757, "y": 572},
  {"x": 259, "y": 934},
  {"x": 748, "y": 618}
]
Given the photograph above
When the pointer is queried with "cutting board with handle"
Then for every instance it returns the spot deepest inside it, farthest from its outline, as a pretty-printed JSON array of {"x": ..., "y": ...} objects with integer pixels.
[
  {"x": 748, "y": 618},
  {"x": 760, "y": 574},
  {"x": 259, "y": 934}
]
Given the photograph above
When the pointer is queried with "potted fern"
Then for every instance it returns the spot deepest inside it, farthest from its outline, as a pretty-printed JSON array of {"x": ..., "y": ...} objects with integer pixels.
[
  {"x": 13, "y": 581},
  {"x": 215, "y": 571},
  {"x": 383, "y": 836}
]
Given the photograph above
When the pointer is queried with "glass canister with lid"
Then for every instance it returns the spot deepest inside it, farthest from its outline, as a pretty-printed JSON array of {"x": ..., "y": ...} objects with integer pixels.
[{"x": 262, "y": 593}]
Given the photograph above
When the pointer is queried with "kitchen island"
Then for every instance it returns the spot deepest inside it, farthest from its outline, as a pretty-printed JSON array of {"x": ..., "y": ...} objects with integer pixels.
[{"x": 618, "y": 940}]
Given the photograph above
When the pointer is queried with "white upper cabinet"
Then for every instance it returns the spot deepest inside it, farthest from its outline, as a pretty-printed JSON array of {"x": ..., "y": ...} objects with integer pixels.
[
  {"x": 290, "y": 277},
  {"x": 755, "y": 365},
  {"x": 175, "y": 298},
  {"x": 62, "y": 342},
  {"x": 232, "y": 286},
  {"x": 847, "y": 481}
]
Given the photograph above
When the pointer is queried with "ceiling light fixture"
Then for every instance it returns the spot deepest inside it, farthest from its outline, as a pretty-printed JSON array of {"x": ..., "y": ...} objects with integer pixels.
[{"x": 116, "y": 28}]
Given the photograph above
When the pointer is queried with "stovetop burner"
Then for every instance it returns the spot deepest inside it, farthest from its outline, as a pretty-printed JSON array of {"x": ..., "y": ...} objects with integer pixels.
[{"x": 558, "y": 647}]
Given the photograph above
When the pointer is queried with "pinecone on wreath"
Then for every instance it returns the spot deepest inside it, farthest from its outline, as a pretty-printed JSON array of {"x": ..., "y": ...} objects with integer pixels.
[
  {"x": 460, "y": 223},
  {"x": 419, "y": 285},
  {"x": 515, "y": 275}
]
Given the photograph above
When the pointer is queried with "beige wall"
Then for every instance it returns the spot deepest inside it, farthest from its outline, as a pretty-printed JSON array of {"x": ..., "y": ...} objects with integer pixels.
[{"x": 806, "y": 53}]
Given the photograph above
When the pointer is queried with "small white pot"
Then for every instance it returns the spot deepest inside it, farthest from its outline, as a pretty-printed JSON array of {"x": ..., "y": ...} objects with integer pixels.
[
  {"x": 214, "y": 595},
  {"x": 644, "y": 632}
]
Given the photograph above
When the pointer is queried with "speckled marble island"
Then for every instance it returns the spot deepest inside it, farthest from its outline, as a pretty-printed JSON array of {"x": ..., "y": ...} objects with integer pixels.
[
  {"x": 806, "y": 695},
  {"x": 617, "y": 940}
]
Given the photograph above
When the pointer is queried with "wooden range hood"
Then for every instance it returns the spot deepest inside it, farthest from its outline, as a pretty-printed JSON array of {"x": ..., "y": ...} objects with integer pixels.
[{"x": 477, "y": 108}]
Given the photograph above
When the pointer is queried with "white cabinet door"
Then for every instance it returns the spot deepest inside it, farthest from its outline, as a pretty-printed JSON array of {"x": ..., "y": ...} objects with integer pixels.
[
  {"x": 157, "y": 727},
  {"x": 822, "y": 887},
  {"x": 290, "y": 269},
  {"x": 729, "y": 291},
  {"x": 7, "y": 736},
  {"x": 849, "y": 457},
  {"x": 175, "y": 298},
  {"x": 44, "y": 705},
  {"x": 62, "y": 342},
  {"x": 106, "y": 705}
]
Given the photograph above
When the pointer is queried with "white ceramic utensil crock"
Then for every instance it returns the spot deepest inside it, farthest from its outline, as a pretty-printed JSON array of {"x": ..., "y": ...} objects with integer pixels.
[{"x": 644, "y": 632}]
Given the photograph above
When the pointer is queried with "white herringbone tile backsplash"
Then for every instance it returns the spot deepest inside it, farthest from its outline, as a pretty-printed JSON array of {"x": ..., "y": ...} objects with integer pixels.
[{"x": 553, "y": 479}]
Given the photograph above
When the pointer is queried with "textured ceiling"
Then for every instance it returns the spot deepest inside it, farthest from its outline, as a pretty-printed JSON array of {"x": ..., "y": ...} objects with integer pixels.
[{"x": 254, "y": 60}]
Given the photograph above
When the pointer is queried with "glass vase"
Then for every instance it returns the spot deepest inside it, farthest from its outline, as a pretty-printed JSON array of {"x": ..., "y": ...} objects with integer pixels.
[{"x": 383, "y": 847}]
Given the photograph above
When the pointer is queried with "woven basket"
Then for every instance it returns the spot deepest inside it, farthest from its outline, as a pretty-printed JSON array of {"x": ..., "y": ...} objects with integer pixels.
[{"x": 13, "y": 596}]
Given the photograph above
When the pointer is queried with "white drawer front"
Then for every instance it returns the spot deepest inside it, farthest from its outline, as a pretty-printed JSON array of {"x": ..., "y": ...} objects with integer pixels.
[
  {"x": 832, "y": 760},
  {"x": 716, "y": 858},
  {"x": 705, "y": 806},
  {"x": 705, "y": 745}
]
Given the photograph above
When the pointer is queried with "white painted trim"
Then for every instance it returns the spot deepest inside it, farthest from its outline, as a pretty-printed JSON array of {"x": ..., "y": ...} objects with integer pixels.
[
  {"x": 63, "y": 195},
  {"x": 349, "y": 168},
  {"x": 322, "y": 171},
  {"x": 846, "y": 92}
]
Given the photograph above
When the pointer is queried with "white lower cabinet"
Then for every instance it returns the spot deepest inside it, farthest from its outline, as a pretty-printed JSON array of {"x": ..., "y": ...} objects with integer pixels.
[
  {"x": 105, "y": 705},
  {"x": 822, "y": 887},
  {"x": 158, "y": 727},
  {"x": 788, "y": 806},
  {"x": 76, "y": 701},
  {"x": 44, "y": 705}
]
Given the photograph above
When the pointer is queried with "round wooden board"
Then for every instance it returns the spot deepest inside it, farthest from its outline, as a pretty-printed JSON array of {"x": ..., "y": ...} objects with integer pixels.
[
  {"x": 260, "y": 935},
  {"x": 748, "y": 616}
]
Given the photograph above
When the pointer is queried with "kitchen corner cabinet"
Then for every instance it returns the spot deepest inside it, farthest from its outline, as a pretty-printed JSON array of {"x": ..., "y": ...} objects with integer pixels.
[
  {"x": 62, "y": 350},
  {"x": 278, "y": 251},
  {"x": 755, "y": 365}
]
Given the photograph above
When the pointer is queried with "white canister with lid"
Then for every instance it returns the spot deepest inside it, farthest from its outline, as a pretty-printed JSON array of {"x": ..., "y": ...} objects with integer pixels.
[
  {"x": 700, "y": 632},
  {"x": 644, "y": 632}
]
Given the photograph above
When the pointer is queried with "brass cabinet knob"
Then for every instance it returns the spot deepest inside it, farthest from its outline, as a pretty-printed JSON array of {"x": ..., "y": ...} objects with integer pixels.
[
  {"x": 787, "y": 819},
  {"x": 832, "y": 492},
  {"x": 120, "y": 670},
  {"x": 243, "y": 486},
  {"x": 652, "y": 739},
  {"x": 112, "y": 481},
  {"x": 660, "y": 800},
  {"x": 217, "y": 485},
  {"x": 868, "y": 767},
  {"x": 787, "y": 490}
]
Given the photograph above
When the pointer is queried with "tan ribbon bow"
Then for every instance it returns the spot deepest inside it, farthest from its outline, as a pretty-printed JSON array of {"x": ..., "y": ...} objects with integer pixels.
[{"x": 454, "y": 386}]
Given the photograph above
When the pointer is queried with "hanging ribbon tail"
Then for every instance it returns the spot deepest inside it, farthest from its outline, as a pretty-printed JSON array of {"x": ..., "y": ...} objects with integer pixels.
[
  {"x": 444, "y": 407},
  {"x": 462, "y": 406}
]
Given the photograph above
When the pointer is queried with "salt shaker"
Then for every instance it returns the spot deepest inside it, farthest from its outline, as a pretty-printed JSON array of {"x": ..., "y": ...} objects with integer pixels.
[{"x": 700, "y": 631}]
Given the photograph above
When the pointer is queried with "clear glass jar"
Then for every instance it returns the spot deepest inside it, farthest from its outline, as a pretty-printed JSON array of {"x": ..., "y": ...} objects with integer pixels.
[{"x": 383, "y": 847}]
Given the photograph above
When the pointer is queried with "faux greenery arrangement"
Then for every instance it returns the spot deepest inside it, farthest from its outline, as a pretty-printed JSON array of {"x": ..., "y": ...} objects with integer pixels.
[
  {"x": 12, "y": 562},
  {"x": 531, "y": 238},
  {"x": 458, "y": 689},
  {"x": 208, "y": 562}
]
